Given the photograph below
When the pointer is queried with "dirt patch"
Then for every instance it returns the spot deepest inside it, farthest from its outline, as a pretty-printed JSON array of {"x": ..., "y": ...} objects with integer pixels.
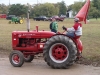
[
  {"x": 4, "y": 54},
  {"x": 94, "y": 62},
  {"x": 85, "y": 61},
  {"x": 39, "y": 67}
]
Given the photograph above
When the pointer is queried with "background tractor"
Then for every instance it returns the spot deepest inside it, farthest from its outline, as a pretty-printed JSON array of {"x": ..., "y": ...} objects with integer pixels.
[
  {"x": 59, "y": 50},
  {"x": 16, "y": 20}
]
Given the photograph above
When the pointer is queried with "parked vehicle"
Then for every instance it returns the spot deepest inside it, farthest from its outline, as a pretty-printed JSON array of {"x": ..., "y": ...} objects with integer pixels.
[
  {"x": 41, "y": 18},
  {"x": 57, "y": 18},
  {"x": 62, "y": 16},
  {"x": 9, "y": 17},
  {"x": 16, "y": 20},
  {"x": 3, "y": 15}
]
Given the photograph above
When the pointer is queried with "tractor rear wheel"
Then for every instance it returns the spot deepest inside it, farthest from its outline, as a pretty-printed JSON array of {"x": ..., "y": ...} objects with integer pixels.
[
  {"x": 59, "y": 52},
  {"x": 16, "y": 58},
  {"x": 29, "y": 58}
]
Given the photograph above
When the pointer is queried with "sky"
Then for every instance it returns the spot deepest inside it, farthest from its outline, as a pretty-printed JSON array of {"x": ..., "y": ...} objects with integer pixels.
[{"x": 68, "y": 2}]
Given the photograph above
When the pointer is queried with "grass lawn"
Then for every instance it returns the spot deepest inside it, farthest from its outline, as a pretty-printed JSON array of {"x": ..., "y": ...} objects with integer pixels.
[{"x": 90, "y": 37}]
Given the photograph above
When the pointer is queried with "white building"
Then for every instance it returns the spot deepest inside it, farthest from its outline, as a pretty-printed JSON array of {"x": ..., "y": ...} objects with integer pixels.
[{"x": 70, "y": 14}]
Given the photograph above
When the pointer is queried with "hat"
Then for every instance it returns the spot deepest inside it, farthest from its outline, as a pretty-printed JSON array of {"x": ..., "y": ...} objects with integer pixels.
[{"x": 76, "y": 19}]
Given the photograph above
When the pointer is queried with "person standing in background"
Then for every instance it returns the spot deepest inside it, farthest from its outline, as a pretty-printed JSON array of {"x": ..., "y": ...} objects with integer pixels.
[{"x": 54, "y": 25}]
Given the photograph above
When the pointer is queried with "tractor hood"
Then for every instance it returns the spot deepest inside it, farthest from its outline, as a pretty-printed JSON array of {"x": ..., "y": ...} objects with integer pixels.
[{"x": 33, "y": 34}]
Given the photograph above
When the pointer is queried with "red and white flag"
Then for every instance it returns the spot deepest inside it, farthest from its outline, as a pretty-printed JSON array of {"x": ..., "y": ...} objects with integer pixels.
[{"x": 82, "y": 14}]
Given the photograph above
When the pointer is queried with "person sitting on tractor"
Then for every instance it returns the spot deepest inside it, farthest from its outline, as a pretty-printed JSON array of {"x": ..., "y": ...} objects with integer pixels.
[
  {"x": 75, "y": 31},
  {"x": 54, "y": 25}
]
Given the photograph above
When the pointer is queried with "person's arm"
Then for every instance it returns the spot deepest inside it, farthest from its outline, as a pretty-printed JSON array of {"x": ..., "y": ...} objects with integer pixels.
[
  {"x": 74, "y": 28},
  {"x": 68, "y": 29}
]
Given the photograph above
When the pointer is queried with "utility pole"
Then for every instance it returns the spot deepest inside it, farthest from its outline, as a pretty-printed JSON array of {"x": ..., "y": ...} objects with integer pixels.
[
  {"x": 37, "y": 1},
  {"x": 81, "y": 0},
  {"x": 9, "y": 2},
  {"x": 8, "y": 8},
  {"x": 41, "y": 1}
]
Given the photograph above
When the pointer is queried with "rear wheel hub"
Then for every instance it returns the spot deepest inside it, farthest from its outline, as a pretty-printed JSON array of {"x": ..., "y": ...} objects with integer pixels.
[{"x": 58, "y": 53}]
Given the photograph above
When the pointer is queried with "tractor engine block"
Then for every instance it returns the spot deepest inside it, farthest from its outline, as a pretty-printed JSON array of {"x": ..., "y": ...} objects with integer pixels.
[{"x": 25, "y": 42}]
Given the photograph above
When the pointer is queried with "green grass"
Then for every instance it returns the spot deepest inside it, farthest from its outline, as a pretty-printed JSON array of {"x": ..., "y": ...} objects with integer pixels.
[{"x": 90, "y": 37}]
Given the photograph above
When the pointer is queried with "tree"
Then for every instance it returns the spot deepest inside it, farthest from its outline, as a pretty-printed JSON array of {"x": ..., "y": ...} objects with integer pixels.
[
  {"x": 94, "y": 13},
  {"x": 62, "y": 8},
  {"x": 46, "y": 9},
  {"x": 18, "y": 10},
  {"x": 95, "y": 8},
  {"x": 3, "y": 9},
  {"x": 76, "y": 7},
  {"x": 96, "y": 3}
]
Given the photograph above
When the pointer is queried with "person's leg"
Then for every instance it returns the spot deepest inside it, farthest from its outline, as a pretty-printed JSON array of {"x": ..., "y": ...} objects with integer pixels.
[{"x": 71, "y": 35}]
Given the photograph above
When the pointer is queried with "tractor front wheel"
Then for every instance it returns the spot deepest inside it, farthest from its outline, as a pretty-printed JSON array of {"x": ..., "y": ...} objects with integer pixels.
[
  {"x": 9, "y": 22},
  {"x": 29, "y": 58},
  {"x": 16, "y": 58},
  {"x": 59, "y": 52}
]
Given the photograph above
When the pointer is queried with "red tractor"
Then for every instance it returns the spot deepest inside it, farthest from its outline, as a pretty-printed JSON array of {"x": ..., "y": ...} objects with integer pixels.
[{"x": 59, "y": 51}]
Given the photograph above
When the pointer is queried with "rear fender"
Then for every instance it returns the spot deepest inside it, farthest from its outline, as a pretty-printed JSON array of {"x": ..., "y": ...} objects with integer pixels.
[{"x": 76, "y": 41}]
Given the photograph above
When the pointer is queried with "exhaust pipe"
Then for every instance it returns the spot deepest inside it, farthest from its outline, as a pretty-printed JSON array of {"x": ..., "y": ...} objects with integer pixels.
[{"x": 28, "y": 21}]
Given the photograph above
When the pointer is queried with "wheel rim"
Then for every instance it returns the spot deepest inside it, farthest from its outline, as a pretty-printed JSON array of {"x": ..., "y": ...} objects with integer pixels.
[
  {"x": 15, "y": 59},
  {"x": 21, "y": 21},
  {"x": 59, "y": 53}
]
